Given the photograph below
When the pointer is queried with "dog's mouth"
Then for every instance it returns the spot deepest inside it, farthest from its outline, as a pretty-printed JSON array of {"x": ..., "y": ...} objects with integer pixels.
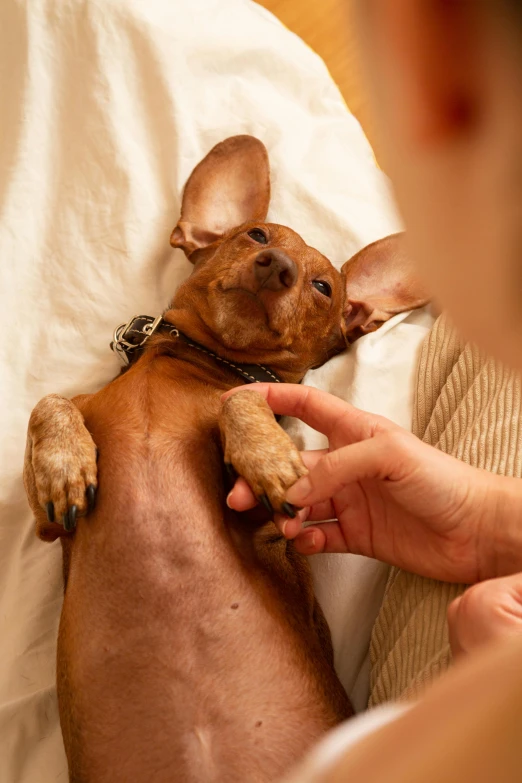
[
  {"x": 274, "y": 304},
  {"x": 261, "y": 303}
]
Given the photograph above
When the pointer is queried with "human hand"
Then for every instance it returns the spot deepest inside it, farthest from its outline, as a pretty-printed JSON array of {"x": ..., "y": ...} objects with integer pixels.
[
  {"x": 388, "y": 495},
  {"x": 488, "y": 611}
]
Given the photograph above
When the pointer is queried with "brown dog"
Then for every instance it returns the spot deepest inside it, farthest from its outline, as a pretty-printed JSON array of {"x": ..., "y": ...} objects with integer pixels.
[{"x": 191, "y": 647}]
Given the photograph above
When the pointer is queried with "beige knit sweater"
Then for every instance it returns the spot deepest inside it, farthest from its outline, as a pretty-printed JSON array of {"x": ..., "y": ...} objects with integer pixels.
[{"x": 469, "y": 406}]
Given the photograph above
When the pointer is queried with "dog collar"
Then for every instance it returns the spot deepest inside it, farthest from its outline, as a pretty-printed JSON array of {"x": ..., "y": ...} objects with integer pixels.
[{"x": 129, "y": 340}]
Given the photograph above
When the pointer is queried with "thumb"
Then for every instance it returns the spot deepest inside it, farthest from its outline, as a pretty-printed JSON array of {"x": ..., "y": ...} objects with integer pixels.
[{"x": 375, "y": 458}]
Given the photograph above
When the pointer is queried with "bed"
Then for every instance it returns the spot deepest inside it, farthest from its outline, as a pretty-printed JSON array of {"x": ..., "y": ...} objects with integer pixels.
[{"x": 106, "y": 108}]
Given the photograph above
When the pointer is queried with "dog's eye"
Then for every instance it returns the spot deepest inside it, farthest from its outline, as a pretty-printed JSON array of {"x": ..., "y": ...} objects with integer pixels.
[
  {"x": 322, "y": 287},
  {"x": 258, "y": 236}
]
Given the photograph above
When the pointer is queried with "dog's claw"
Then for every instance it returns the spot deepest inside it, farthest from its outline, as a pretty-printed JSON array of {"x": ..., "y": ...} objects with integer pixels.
[
  {"x": 289, "y": 510},
  {"x": 69, "y": 519},
  {"x": 49, "y": 510},
  {"x": 267, "y": 504},
  {"x": 91, "y": 498}
]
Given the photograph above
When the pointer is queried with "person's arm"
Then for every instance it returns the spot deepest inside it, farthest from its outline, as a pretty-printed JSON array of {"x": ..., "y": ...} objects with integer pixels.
[
  {"x": 466, "y": 728},
  {"x": 394, "y": 498}
]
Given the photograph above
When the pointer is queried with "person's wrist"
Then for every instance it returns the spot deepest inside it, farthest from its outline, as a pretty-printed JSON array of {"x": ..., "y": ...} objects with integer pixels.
[{"x": 500, "y": 531}]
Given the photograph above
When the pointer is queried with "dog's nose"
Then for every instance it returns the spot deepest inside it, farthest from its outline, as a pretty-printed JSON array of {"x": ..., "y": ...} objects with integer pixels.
[{"x": 275, "y": 270}]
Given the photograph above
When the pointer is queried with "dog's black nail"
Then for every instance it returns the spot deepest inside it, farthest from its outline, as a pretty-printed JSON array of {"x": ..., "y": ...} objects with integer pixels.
[
  {"x": 267, "y": 504},
  {"x": 91, "y": 498},
  {"x": 289, "y": 510},
  {"x": 49, "y": 510},
  {"x": 70, "y": 519}
]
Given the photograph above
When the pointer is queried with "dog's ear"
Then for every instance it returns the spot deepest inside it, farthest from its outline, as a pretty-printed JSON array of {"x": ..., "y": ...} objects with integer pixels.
[
  {"x": 229, "y": 187},
  {"x": 380, "y": 282}
]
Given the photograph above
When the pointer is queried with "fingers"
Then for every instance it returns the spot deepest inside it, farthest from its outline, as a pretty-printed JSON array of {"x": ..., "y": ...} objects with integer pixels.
[
  {"x": 290, "y": 526},
  {"x": 320, "y": 410},
  {"x": 370, "y": 459},
  {"x": 488, "y": 611},
  {"x": 320, "y": 512},
  {"x": 327, "y": 537},
  {"x": 241, "y": 497}
]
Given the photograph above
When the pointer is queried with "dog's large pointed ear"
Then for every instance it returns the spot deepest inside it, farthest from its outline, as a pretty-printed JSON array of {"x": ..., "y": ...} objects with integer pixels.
[
  {"x": 229, "y": 187},
  {"x": 380, "y": 282}
]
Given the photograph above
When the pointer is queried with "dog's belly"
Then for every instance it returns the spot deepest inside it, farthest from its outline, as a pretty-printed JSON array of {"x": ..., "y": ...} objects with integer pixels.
[{"x": 225, "y": 674}]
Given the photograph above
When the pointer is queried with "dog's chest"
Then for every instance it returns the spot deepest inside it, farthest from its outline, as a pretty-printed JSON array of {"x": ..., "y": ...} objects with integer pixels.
[{"x": 159, "y": 450}]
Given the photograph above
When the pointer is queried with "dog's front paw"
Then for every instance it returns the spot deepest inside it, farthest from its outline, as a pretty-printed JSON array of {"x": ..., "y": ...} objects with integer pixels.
[
  {"x": 260, "y": 450},
  {"x": 63, "y": 458}
]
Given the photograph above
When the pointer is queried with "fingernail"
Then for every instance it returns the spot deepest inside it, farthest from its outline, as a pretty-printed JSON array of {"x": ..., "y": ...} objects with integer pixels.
[
  {"x": 300, "y": 491},
  {"x": 290, "y": 528},
  {"x": 228, "y": 498},
  {"x": 308, "y": 541}
]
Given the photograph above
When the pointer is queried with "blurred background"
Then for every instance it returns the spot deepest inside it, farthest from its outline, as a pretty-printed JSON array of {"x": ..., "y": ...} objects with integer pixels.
[{"x": 327, "y": 27}]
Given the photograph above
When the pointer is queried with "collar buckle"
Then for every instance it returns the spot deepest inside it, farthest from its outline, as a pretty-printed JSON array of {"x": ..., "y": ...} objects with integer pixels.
[
  {"x": 131, "y": 336},
  {"x": 128, "y": 341}
]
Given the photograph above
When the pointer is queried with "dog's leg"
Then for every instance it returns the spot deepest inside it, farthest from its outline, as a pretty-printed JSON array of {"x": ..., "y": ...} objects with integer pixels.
[
  {"x": 266, "y": 457},
  {"x": 60, "y": 466},
  {"x": 60, "y": 478},
  {"x": 259, "y": 450}
]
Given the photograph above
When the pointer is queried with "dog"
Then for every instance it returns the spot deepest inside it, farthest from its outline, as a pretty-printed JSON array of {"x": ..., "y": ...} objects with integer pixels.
[{"x": 191, "y": 647}]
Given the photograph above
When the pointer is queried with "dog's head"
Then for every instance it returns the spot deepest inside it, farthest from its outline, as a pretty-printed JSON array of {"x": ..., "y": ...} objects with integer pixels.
[{"x": 258, "y": 290}]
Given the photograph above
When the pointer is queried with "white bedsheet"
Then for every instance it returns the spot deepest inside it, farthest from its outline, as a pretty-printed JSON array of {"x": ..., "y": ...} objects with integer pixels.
[{"x": 106, "y": 107}]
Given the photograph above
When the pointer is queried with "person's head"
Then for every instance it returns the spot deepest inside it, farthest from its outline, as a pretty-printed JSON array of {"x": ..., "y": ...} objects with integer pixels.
[{"x": 446, "y": 85}]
